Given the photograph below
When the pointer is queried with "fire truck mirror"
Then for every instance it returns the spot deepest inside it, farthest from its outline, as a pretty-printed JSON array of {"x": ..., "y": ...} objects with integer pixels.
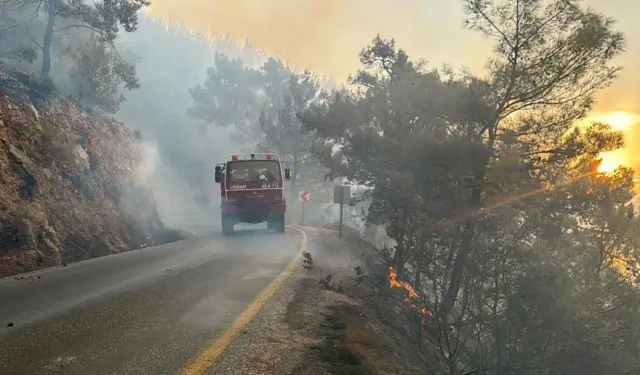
[
  {"x": 287, "y": 173},
  {"x": 218, "y": 175}
]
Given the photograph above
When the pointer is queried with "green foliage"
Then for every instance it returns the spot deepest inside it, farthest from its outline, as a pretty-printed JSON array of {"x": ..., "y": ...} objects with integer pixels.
[
  {"x": 326, "y": 284},
  {"x": 263, "y": 105},
  {"x": 382, "y": 60},
  {"x": 229, "y": 96},
  {"x": 500, "y": 220},
  {"x": 282, "y": 130},
  {"x": 103, "y": 18},
  {"x": 99, "y": 73},
  {"x": 15, "y": 24},
  {"x": 307, "y": 262},
  {"x": 360, "y": 276}
]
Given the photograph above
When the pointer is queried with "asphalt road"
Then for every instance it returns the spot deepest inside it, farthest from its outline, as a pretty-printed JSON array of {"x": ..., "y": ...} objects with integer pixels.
[{"x": 146, "y": 311}]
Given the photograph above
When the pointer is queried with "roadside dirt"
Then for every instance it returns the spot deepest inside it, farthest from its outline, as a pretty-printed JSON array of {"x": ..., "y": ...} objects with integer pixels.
[{"x": 306, "y": 329}]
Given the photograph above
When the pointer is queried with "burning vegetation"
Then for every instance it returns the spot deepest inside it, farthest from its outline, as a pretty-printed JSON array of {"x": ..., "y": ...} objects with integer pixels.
[
  {"x": 492, "y": 198},
  {"x": 412, "y": 298}
]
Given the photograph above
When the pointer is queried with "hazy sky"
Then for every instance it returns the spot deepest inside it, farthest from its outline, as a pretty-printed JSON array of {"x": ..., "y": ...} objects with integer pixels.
[{"x": 326, "y": 36}]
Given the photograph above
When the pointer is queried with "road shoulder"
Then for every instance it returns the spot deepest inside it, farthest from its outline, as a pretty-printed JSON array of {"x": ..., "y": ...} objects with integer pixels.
[{"x": 309, "y": 328}]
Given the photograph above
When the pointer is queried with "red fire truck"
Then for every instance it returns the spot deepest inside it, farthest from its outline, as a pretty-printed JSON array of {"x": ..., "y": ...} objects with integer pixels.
[{"x": 252, "y": 191}]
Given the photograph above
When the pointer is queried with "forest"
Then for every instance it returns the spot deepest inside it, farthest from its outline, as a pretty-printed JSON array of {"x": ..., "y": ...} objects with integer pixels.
[{"x": 522, "y": 257}]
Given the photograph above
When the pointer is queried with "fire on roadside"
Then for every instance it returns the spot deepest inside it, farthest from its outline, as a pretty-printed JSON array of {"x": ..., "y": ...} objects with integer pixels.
[
  {"x": 411, "y": 297},
  {"x": 411, "y": 293}
]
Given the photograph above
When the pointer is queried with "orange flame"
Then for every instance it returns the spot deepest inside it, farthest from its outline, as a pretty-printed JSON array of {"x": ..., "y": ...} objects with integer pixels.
[
  {"x": 423, "y": 311},
  {"x": 411, "y": 293},
  {"x": 393, "y": 281}
]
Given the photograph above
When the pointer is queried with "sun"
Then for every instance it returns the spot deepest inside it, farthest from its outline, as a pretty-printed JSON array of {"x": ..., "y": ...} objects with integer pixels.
[
  {"x": 611, "y": 160},
  {"x": 619, "y": 121}
]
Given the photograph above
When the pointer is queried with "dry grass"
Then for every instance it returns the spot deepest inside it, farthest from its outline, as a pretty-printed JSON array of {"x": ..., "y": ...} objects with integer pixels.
[
  {"x": 352, "y": 338},
  {"x": 360, "y": 344}
]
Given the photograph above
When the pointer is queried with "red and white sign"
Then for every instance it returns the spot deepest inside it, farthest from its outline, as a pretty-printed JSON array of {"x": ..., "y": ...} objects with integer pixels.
[{"x": 304, "y": 196}]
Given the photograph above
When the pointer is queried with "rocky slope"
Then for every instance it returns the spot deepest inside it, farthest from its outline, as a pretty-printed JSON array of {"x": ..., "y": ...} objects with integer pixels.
[{"x": 68, "y": 188}]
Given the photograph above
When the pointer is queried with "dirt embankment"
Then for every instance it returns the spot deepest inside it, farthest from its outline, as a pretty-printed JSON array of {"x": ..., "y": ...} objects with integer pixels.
[
  {"x": 316, "y": 324},
  {"x": 68, "y": 189},
  {"x": 355, "y": 335}
]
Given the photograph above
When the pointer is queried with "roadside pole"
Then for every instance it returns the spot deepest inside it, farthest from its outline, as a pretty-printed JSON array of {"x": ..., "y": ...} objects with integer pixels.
[
  {"x": 341, "y": 193},
  {"x": 304, "y": 198},
  {"x": 341, "y": 204}
]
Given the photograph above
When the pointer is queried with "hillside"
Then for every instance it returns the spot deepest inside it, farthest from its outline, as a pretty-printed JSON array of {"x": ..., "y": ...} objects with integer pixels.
[{"x": 68, "y": 189}]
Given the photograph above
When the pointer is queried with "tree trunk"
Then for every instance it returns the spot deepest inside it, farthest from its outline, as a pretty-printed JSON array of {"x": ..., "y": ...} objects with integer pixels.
[
  {"x": 465, "y": 247},
  {"x": 401, "y": 247},
  {"x": 48, "y": 38},
  {"x": 459, "y": 267},
  {"x": 470, "y": 225}
]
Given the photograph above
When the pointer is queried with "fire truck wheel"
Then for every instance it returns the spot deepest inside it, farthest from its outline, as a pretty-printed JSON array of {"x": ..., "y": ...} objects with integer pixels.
[
  {"x": 278, "y": 224},
  {"x": 227, "y": 226}
]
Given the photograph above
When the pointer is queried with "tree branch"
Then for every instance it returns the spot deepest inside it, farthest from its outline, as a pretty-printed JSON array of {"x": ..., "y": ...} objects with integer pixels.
[
  {"x": 79, "y": 26},
  {"x": 475, "y": 7},
  {"x": 7, "y": 29},
  {"x": 33, "y": 40},
  {"x": 37, "y": 8}
]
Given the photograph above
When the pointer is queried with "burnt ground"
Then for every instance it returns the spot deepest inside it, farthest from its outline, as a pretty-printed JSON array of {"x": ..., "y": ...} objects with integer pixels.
[{"x": 307, "y": 329}]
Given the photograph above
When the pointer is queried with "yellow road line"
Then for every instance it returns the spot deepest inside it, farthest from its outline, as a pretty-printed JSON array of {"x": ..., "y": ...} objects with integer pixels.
[{"x": 207, "y": 357}]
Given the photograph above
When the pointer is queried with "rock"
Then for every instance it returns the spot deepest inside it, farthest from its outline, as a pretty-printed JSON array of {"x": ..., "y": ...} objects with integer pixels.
[
  {"x": 68, "y": 184},
  {"x": 21, "y": 164},
  {"x": 81, "y": 157},
  {"x": 34, "y": 111},
  {"x": 24, "y": 231}
]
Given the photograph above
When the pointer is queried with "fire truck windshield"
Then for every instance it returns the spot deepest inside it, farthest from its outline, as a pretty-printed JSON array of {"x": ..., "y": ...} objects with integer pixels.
[{"x": 254, "y": 171}]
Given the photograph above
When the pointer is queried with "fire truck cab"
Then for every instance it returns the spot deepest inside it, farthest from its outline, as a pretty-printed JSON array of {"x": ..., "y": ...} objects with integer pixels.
[{"x": 252, "y": 191}]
